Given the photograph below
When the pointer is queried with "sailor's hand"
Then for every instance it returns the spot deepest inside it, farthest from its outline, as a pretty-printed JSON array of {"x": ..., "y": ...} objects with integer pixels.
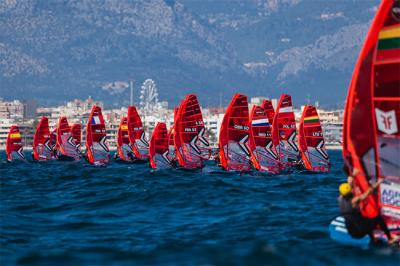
[
  {"x": 356, "y": 171},
  {"x": 350, "y": 180},
  {"x": 376, "y": 185}
]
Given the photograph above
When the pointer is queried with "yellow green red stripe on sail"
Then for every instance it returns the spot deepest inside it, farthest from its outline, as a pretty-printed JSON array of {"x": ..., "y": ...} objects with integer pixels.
[
  {"x": 389, "y": 38},
  {"x": 311, "y": 119}
]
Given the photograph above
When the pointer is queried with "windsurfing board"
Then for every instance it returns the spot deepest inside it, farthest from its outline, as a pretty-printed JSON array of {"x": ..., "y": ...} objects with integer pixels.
[{"x": 339, "y": 233}]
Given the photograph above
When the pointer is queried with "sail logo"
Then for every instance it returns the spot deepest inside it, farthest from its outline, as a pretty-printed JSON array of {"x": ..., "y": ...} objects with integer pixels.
[
  {"x": 260, "y": 122},
  {"x": 96, "y": 120},
  {"x": 288, "y": 126},
  {"x": 288, "y": 109},
  {"x": 386, "y": 121},
  {"x": 390, "y": 195},
  {"x": 240, "y": 127},
  {"x": 317, "y": 134},
  {"x": 15, "y": 136}
]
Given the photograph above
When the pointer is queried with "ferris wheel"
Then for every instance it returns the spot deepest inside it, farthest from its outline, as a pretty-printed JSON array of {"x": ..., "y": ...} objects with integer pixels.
[{"x": 148, "y": 95}]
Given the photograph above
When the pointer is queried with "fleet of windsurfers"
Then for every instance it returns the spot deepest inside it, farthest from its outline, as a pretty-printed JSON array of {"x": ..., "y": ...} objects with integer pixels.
[{"x": 191, "y": 137}]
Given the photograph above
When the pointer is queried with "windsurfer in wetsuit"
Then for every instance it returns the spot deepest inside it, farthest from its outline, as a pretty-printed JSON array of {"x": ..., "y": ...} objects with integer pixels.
[
  {"x": 174, "y": 163},
  {"x": 131, "y": 155},
  {"x": 357, "y": 225},
  {"x": 216, "y": 158},
  {"x": 299, "y": 164}
]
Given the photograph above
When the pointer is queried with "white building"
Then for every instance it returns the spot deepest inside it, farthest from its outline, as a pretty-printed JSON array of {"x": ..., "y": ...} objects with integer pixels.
[{"x": 11, "y": 109}]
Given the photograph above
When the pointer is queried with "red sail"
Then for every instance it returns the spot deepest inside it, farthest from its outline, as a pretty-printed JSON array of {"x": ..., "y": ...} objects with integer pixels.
[
  {"x": 171, "y": 136},
  {"x": 269, "y": 109},
  {"x": 171, "y": 144},
  {"x": 311, "y": 141},
  {"x": 53, "y": 142},
  {"x": 96, "y": 136},
  {"x": 284, "y": 127},
  {"x": 159, "y": 147},
  {"x": 76, "y": 131},
  {"x": 191, "y": 144},
  {"x": 14, "y": 149},
  {"x": 265, "y": 157},
  {"x": 371, "y": 137},
  {"x": 66, "y": 145},
  {"x": 42, "y": 148},
  {"x": 124, "y": 148},
  {"x": 137, "y": 136},
  {"x": 234, "y": 136}
]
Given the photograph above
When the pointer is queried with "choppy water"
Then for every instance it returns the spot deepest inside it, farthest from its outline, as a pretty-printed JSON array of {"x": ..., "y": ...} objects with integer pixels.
[{"x": 65, "y": 213}]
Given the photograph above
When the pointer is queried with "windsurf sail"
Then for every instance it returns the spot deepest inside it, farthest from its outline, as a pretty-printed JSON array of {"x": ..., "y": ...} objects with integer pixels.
[
  {"x": 311, "y": 141},
  {"x": 124, "y": 148},
  {"x": 137, "y": 136},
  {"x": 66, "y": 146},
  {"x": 98, "y": 152},
  {"x": 284, "y": 127},
  {"x": 265, "y": 157},
  {"x": 53, "y": 143},
  {"x": 191, "y": 144},
  {"x": 42, "y": 147},
  {"x": 234, "y": 135},
  {"x": 171, "y": 133},
  {"x": 76, "y": 132},
  {"x": 171, "y": 145},
  {"x": 269, "y": 109},
  {"x": 159, "y": 147},
  {"x": 14, "y": 149},
  {"x": 371, "y": 137}
]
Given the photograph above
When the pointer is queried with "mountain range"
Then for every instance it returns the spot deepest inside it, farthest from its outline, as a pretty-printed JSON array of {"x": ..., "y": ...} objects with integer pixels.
[{"x": 59, "y": 50}]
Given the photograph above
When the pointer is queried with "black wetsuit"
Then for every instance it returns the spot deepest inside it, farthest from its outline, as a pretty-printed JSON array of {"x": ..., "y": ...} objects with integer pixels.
[
  {"x": 131, "y": 155},
  {"x": 357, "y": 225},
  {"x": 174, "y": 163}
]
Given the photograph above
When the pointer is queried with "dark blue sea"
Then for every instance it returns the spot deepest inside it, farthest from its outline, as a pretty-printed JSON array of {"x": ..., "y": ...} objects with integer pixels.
[{"x": 66, "y": 213}]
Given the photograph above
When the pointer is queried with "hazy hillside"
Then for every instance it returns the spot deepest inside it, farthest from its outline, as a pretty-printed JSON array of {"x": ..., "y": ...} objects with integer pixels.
[{"x": 63, "y": 49}]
